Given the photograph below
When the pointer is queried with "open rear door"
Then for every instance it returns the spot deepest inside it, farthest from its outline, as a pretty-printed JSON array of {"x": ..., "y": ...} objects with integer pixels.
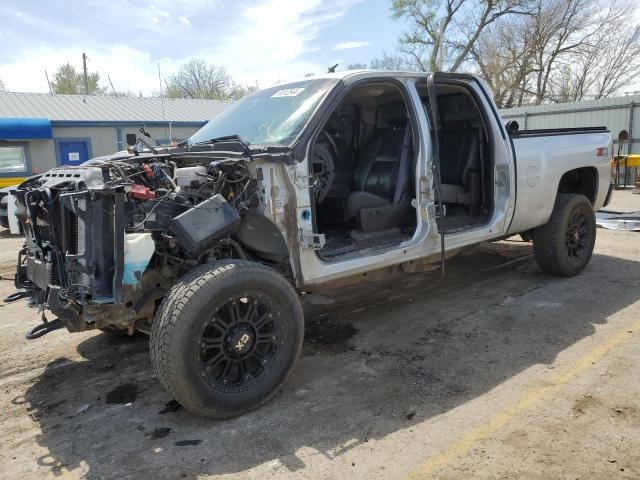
[{"x": 435, "y": 162}]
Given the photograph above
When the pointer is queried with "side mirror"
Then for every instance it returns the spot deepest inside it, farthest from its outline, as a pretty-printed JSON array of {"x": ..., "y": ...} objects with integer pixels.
[
  {"x": 623, "y": 136},
  {"x": 131, "y": 139},
  {"x": 512, "y": 126}
]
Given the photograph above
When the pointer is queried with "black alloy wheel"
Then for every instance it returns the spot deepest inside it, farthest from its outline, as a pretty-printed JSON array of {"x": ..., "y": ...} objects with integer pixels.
[
  {"x": 226, "y": 336},
  {"x": 577, "y": 235},
  {"x": 240, "y": 342}
]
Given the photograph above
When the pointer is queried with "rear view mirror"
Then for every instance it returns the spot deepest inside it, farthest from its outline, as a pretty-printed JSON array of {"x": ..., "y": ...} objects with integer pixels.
[{"x": 131, "y": 139}]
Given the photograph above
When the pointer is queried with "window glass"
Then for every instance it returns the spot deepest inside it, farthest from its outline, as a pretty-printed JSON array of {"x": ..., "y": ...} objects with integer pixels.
[
  {"x": 12, "y": 160},
  {"x": 272, "y": 116}
]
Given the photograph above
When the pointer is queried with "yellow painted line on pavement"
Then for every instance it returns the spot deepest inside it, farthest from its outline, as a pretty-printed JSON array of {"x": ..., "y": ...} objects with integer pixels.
[{"x": 528, "y": 400}]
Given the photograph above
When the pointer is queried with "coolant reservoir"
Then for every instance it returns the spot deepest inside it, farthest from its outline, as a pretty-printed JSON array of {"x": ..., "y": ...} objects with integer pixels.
[{"x": 138, "y": 249}]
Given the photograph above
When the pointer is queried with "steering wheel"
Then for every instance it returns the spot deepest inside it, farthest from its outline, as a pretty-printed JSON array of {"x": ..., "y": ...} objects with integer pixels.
[{"x": 323, "y": 165}]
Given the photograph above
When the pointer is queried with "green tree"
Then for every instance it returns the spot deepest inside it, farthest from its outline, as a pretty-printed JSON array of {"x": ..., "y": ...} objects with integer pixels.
[{"x": 68, "y": 81}]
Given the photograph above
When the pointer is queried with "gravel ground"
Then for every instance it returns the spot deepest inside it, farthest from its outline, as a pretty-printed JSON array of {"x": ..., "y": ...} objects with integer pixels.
[{"x": 499, "y": 371}]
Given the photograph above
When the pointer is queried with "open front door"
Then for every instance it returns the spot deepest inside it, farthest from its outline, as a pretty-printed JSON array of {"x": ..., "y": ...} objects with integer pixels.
[{"x": 435, "y": 162}]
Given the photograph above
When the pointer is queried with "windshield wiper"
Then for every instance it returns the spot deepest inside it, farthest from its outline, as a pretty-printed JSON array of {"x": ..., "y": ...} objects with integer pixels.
[{"x": 227, "y": 139}]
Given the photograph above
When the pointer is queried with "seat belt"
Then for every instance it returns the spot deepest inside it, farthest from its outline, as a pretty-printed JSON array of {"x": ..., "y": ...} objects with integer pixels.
[
  {"x": 403, "y": 175},
  {"x": 481, "y": 140},
  {"x": 435, "y": 153}
]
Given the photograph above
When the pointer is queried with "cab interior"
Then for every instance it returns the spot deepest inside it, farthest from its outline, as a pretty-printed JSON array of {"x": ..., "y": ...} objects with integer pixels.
[
  {"x": 466, "y": 157},
  {"x": 363, "y": 166}
]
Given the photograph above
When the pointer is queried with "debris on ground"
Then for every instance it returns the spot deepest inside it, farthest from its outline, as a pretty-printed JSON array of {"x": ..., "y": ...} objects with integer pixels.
[
  {"x": 170, "y": 407},
  {"x": 187, "y": 443},
  {"x": 159, "y": 432},
  {"x": 627, "y": 221}
]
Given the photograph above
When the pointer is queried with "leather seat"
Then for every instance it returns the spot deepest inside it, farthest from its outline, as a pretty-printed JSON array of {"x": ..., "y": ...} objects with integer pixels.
[
  {"x": 460, "y": 165},
  {"x": 381, "y": 198}
]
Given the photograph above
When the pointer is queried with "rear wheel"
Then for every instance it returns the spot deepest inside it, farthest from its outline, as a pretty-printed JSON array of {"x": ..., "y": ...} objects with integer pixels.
[
  {"x": 564, "y": 245},
  {"x": 226, "y": 337}
]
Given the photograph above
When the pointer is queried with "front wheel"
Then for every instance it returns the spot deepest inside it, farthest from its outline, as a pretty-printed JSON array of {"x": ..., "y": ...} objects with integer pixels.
[
  {"x": 226, "y": 337},
  {"x": 564, "y": 246}
]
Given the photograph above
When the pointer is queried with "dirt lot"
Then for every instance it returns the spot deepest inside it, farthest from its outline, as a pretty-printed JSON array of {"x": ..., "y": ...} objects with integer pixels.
[{"x": 497, "y": 372}]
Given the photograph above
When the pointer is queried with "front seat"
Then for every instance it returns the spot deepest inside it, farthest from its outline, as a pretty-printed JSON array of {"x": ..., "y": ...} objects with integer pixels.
[{"x": 381, "y": 198}]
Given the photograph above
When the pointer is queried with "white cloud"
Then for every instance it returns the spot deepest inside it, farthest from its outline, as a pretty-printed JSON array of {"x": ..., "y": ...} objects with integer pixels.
[
  {"x": 273, "y": 37},
  {"x": 129, "y": 69},
  {"x": 265, "y": 42},
  {"x": 349, "y": 45}
]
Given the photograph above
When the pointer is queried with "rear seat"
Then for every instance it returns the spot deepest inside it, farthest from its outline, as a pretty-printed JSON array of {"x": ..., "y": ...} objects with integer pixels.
[{"x": 460, "y": 164}]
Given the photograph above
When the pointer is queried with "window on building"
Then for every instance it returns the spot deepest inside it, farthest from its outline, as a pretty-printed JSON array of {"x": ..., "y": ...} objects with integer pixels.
[{"x": 12, "y": 159}]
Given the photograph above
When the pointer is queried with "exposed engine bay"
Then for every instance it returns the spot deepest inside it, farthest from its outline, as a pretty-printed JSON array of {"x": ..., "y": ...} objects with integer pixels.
[{"x": 106, "y": 240}]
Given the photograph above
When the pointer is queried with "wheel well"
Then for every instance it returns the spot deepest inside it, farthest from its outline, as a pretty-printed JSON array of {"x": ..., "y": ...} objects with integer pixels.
[{"x": 580, "y": 180}]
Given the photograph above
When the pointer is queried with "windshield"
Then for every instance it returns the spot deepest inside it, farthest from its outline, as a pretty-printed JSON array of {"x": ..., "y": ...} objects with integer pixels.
[{"x": 272, "y": 116}]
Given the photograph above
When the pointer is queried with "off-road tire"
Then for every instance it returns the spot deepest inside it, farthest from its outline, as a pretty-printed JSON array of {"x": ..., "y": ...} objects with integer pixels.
[
  {"x": 185, "y": 311},
  {"x": 551, "y": 241}
]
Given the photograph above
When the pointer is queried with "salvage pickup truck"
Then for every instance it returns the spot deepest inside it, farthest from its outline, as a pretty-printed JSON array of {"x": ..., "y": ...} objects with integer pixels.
[{"x": 210, "y": 246}]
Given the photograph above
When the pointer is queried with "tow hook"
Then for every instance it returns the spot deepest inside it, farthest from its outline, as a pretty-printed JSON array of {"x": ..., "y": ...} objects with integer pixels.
[
  {"x": 15, "y": 296},
  {"x": 43, "y": 329}
]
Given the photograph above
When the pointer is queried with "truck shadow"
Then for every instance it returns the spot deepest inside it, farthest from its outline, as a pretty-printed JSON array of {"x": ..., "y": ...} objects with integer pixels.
[{"x": 378, "y": 358}]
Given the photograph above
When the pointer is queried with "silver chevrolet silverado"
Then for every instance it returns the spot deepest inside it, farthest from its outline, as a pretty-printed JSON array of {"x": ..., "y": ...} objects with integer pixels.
[{"x": 310, "y": 185}]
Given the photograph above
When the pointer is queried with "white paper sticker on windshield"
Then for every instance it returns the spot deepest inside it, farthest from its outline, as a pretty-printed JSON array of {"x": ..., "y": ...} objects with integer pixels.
[{"x": 288, "y": 92}]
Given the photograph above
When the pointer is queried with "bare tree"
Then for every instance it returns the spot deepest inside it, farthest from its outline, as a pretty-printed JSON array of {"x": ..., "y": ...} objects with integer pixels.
[
  {"x": 504, "y": 58},
  {"x": 388, "y": 61},
  {"x": 564, "y": 50},
  {"x": 236, "y": 90},
  {"x": 357, "y": 66},
  {"x": 3, "y": 87},
  {"x": 197, "y": 79},
  {"x": 444, "y": 32},
  {"x": 609, "y": 61}
]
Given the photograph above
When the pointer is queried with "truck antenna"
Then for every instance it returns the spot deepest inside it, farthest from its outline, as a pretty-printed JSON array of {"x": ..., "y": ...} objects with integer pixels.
[{"x": 48, "y": 82}]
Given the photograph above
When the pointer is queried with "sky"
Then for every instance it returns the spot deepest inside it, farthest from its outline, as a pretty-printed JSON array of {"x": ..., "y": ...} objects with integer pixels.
[{"x": 259, "y": 42}]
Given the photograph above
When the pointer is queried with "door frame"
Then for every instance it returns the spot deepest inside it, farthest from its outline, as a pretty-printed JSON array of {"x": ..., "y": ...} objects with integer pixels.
[
  {"x": 58, "y": 140},
  {"x": 314, "y": 271},
  {"x": 503, "y": 159},
  {"x": 329, "y": 107}
]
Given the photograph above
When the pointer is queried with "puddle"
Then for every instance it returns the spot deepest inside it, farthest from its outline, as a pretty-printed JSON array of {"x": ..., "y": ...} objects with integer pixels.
[{"x": 326, "y": 334}]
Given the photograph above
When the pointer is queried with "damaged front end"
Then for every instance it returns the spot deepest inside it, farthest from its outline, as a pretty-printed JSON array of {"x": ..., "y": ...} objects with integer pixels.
[{"x": 104, "y": 242}]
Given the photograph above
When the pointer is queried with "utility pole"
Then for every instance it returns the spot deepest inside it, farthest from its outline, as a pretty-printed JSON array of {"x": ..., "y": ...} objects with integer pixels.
[
  {"x": 84, "y": 73},
  {"x": 164, "y": 119}
]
